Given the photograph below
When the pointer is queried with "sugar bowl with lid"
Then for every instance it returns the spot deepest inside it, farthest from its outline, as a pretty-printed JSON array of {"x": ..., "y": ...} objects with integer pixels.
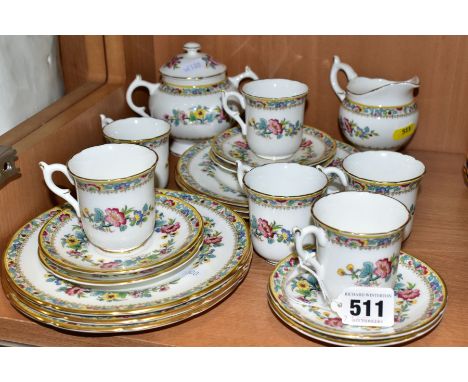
[{"x": 189, "y": 96}]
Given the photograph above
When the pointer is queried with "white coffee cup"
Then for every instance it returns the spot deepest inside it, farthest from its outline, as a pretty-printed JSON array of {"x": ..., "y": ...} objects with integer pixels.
[
  {"x": 115, "y": 193},
  {"x": 149, "y": 132},
  {"x": 388, "y": 173},
  {"x": 280, "y": 197},
  {"x": 274, "y": 116},
  {"x": 358, "y": 240}
]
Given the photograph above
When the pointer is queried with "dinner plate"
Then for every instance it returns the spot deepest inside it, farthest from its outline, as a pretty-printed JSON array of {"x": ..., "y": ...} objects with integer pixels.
[{"x": 226, "y": 246}]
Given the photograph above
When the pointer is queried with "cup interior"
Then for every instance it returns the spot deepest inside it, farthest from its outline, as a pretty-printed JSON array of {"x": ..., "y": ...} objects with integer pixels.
[
  {"x": 285, "y": 179},
  {"x": 383, "y": 166},
  {"x": 360, "y": 212},
  {"x": 275, "y": 88},
  {"x": 133, "y": 129},
  {"x": 112, "y": 161}
]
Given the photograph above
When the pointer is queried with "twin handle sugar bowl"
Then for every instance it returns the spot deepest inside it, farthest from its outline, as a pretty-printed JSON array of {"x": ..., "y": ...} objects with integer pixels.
[
  {"x": 280, "y": 197},
  {"x": 358, "y": 239},
  {"x": 375, "y": 114},
  {"x": 115, "y": 193},
  {"x": 189, "y": 96},
  {"x": 274, "y": 116}
]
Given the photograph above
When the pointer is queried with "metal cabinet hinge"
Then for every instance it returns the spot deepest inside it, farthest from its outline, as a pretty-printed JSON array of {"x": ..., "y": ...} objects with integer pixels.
[{"x": 8, "y": 168}]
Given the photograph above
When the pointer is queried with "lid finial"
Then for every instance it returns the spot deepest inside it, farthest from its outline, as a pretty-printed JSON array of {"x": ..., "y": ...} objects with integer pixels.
[{"x": 192, "y": 47}]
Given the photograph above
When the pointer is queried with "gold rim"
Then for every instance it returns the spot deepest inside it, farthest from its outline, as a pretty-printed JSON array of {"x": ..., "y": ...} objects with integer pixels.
[
  {"x": 136, "y": 327},
  {"x": 89, "y": 282},
  {"x": 123, "y": 320},
  {"x": 382, "y": 182},
  {"x": 194, "y": 86},
  {"x": 360, "y": 235},
  {"x": 338, "y": 340},
  {"x": 137, "y": 141},
  {"x": 193, "y": 78},
  {"x": 75, "y": 267},
  {"x": 245, "y": 254},
  {"x": 116, "y": 180},
  {"x": 283, "y": 197},
  {"x": 219, "y": 162},
  {"x": 439, "y": 311}
]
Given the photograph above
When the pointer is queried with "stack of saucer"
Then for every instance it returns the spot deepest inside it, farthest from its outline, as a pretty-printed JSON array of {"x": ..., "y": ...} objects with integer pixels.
[
  {"x": 210, "y": 168},
  {"x": 199, "y": 252},
  {"x": 420, "y": 300}
]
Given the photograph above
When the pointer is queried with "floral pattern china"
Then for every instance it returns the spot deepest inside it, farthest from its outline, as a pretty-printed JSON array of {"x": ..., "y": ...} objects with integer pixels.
[
  {"x": 226, "y": 248},
  {"x": 177, "y": 228},
  {"x": 317, "y": 147},
  {"x": 420, "y": 298}
]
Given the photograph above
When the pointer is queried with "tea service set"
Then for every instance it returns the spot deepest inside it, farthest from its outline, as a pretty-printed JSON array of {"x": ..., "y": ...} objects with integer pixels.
[{"x": 125, "y": 257}]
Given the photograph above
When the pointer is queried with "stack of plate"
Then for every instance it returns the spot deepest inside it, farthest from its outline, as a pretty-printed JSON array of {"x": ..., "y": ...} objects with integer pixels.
[
  {"x": 200, "y": 251},
  {"x": 420, "y": 300},
  {"x": 210, "y": 168}
]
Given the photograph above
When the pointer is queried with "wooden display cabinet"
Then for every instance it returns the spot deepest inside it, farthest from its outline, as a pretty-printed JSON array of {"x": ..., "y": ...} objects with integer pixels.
[{"x": 97, "y": 71}]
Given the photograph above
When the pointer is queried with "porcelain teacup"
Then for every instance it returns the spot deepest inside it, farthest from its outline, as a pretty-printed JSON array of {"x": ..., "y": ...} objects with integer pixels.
[
  {"x": 115, "y": 193},
  {"x": 358, "y": 238},
  {"x": 387, "y": 173},
  {"x": 274, "y": 116},
  {"x": 149, "y": 132},
  {"x": 280, "y": 197}
]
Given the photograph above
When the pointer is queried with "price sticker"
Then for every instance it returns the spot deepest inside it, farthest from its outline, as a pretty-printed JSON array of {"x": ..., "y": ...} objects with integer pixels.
[
  {"x": 366, "y": 306},
  {"x": 404, "y": 132}
]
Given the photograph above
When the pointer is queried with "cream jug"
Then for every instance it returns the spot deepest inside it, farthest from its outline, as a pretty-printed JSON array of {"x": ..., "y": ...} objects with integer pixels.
[{"x": 375, "y": 113}]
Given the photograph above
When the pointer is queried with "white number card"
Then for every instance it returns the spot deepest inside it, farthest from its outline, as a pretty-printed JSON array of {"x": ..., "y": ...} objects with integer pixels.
[{"x": 366, "y": 306}]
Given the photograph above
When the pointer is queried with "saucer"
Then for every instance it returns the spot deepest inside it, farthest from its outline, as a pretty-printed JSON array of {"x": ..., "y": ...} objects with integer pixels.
[
  {"x": 196, "y": 170},
  {"x": 316, "y": 148},
  {"x": 420, "y": 293},
  {"x": 177, "y": 229},
  {"x": 226, "y": 249}
]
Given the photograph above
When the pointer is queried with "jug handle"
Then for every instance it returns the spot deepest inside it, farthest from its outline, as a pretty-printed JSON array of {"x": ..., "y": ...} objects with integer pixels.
[
  {"x": 336, "y": 67},
  {"x": 136, "y": 83}
]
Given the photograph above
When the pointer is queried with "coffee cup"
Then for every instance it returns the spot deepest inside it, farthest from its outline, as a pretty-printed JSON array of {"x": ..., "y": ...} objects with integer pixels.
[
  {"x": 149, "y": 132},
  {"x": 358, "y": 239},
  {"x": 274, "y": 116},
  {"x": 115, "y": 193},
  {"x": 280, "y": 197}
]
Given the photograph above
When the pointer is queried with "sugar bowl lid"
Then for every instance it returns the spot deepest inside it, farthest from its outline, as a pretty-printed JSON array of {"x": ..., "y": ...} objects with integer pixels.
[{"x": 192, "y": 64}]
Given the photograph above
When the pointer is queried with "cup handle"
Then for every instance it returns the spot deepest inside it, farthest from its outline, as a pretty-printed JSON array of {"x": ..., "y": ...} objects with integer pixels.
[
  {"x": 105, "y": 120},
  {"x": 336, "y": 67},
  {"x": 48, "y": 170},
  {"x": 248, "y": 73},
  {"x": 241, "y": 170},
  {"x": 337, "y": 171},
  {"x": 232, "y": 113},
  {"x": 308, "y": 261},
  {"x": 136, "y": 83}
]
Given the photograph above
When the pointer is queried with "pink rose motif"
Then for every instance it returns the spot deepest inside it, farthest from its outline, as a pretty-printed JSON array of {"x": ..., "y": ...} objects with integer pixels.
[
  {"x": 335, "y": 322},
  {"x": 408, "y": 294},
  {"x": 64, "y": 217},
  {"x": 383, "y": 268},
  {"x": 422, "y": 269},
  {"x": 72, "y": 291},
  {"x": 306, "y": 143},
  {"x": 170, "y": 228},
  {"x": 241, "y": 144},
  {"x": 265, "y": 228},
  {"x": 213, "y": 240},
  {"x": 109, "y": 265},
  {"x": 275, "y": 126},
  {"x": 169, "y": 202},
  {"x": 115, "y": 217},
  {"x": 347, "y": 126}
]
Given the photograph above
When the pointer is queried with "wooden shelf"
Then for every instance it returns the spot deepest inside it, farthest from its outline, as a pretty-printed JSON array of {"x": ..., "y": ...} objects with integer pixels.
[{"x": 439, "y": 238}]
